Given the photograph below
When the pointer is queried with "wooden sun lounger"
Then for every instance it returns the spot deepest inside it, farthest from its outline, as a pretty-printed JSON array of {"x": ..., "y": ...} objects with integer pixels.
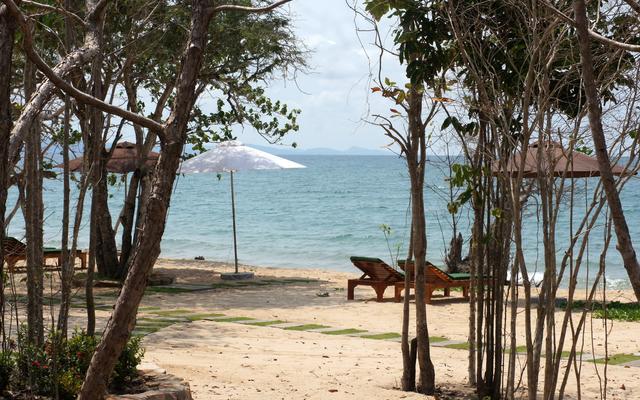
[
  {"x": 15, "y": 250},
  {"x": 377, "y": 274},
  {"x": 436, "y": 279}
]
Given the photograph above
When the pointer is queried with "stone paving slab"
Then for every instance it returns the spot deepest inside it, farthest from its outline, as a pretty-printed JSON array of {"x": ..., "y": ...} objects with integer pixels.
[{"x": 635, "y": 363}]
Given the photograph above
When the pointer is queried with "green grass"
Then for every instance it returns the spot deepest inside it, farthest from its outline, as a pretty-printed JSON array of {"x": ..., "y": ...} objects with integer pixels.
[
  {"x": 234, "y": 319},
  {"x": 149, "y": 308},
  {"x": 382, "y": 336},
  {"x": 153, "y": 326},
  {"x": 305, "y": 327},
  {"x": 266, "y": 323},
  {"x": 349, "y": 331},
  {"x": 458, "y": 346},
  {"x": 437, "y": 339},
  {"x": 173, "y": 313},
  {"x": 614, "y": 310},
  {"x": 618, "y": 359},
  {"x": 198, "y": 317}
]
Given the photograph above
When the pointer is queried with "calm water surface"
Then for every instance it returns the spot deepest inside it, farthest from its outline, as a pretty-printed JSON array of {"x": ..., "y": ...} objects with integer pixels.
[{"x": 319, "y": 216}]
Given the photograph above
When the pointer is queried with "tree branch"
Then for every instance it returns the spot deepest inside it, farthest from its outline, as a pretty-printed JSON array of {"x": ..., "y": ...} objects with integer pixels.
[
  {"x": 633, "y": 4},
  {"x": 593, "y": 34},
  {"x": 61, "y": 10},
  {"x": 233, "y": 7},
  {"x": 70, "y": 89}
]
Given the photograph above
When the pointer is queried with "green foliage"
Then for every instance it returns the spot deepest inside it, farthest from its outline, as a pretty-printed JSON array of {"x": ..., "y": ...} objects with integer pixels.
[
  {"x": 425, "y": 43},
  {"x": 464, "y": 176},
  {"x": 7, "y": 365},
  {"x": 246, "y": 50},
  {"x": 60, "y": 365},
  {"x": 614, "y": 310},
  {"x": 125, "y": 371},
  {"x": 271, "y": 119},
  {"x": 428, "y": 48}
]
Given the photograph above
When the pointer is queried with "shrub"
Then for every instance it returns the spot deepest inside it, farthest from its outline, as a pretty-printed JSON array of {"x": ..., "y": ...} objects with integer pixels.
[
  {"x": 60, "y": 365},
  {"x": 126, "y": 370},
  {"x": 7, "y": 364}
]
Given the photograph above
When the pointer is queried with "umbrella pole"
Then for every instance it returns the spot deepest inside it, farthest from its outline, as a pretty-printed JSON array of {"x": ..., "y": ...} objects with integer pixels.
[{"x": 233, "y": 214}]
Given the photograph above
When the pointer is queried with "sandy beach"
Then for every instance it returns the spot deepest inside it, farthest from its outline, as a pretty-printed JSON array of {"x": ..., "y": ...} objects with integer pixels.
[{"x": 235, "y": 360}]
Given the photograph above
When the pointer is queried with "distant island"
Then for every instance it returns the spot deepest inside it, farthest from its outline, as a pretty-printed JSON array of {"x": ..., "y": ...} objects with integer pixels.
[{"x": 321, "y": 151}]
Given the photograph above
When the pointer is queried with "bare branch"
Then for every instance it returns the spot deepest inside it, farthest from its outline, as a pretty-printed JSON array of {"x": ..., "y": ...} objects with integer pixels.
[
  {"x": 633, "y": 4},
  {"x": 233, "y": 7},
  {"x": 56, "y": 9},
  {"x": 592, "y": 33},
  {"x": 70, "y": 89}
]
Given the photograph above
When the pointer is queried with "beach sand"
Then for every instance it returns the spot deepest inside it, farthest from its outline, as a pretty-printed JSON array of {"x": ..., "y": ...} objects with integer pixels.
[{"x": 230, "y": 360}]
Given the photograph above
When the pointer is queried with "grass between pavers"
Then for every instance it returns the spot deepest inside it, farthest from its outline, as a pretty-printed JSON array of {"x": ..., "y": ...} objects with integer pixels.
[
  {"x": 348, "y": 331},
  {"x": 614, "y": 310},
  {"x": 198, "y": 317},
  {"x": 305, "y": 327},
  {"x": 173, "y": 313},
  {"x": 458, "y": 346},
  {"x": 149, "y": 308},
  {"x": 382, "y": 336},
  {"x": 266, "y": 323},
  {"x": 233, "y": 319},
  {"x": 618, "y": 359}
]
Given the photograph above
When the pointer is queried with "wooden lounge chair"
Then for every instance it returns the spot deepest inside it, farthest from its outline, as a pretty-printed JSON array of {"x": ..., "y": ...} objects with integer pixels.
[
  {"x": 436, "y": 279},
  {"x": 15, "y": 250},
  {"x": 377, "y": 274}
]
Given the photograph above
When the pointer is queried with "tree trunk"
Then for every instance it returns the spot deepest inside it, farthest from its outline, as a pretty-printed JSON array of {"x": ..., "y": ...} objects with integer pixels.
[
  {"x": 33, "y": 223},
  {"x": 106, "y": 249},
  {"x": 147, "y": 246},
  {"x": 127, "y": 219},
  {"x": 625, "y": 245},
  {"x": 416, "y": 160},
  {"x": 66, "y": 275},
  {"x": 7, "y": 32},
  {"x": 408, "y": 352}
]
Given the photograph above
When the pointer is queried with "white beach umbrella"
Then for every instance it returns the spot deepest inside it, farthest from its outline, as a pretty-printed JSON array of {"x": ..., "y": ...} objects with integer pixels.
[{"x": 233, "y": 156}]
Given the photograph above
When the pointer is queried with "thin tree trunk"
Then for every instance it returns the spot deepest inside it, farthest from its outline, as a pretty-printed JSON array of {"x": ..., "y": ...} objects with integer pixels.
[
  {"x": 7, "y": 32},
  {"x": 33, "y": 223},
  {"x": 67, "y": 259},
  {"x": 408, "y": 355},
  {"x": 625, "y": 245},
  {"x": 416, "y": 160},
  {"x": 127, "y": 219}
]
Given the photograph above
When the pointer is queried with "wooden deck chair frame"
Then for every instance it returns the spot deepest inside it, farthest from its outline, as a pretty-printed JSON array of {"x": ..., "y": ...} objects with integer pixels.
[
  {"x": 436, "y": 279},
  {"x": 376, "y": 274}
]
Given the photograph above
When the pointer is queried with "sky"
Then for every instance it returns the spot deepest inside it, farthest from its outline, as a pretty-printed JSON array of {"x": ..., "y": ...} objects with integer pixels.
[{"x": 335, "y": 95}]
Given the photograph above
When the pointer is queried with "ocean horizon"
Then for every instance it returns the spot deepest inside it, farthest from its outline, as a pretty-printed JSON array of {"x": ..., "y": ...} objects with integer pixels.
[{"x": 319, "y": 216}]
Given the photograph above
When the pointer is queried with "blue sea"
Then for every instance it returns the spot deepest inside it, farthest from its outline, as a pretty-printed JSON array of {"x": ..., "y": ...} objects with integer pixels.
[{"x": 319, "y": 216}]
